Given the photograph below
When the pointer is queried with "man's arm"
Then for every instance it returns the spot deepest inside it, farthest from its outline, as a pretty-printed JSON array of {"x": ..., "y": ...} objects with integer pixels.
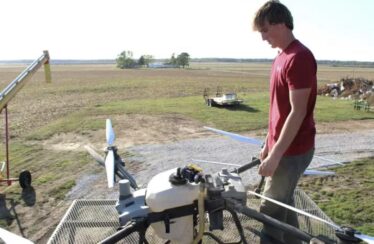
[
  {"x": 265, "y": 149},
  {"x": 299, "y": 100}
]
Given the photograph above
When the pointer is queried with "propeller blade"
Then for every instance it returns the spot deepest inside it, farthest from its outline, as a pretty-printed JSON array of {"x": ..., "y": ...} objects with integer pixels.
[
  {"x": 365, "y": 238},
  {"x": 109, "y": 166},
  {"x": 306, "y": 172},
  {"x": 258, "y": 142},
  {"x": 236, "y": 136},
  {"x": 318, "y": 172},
  {"x": 110, "y": 136},
  {"x": 328, "y": 160},
  {"x": 95, "y": 155},
  {"x": 213, "y": 162}
]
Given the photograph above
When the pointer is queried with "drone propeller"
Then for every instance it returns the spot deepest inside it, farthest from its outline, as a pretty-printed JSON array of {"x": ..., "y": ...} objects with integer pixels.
[
  {"x": 306, "y": 172},
  {"x": 366, "y": 238},
  {"x": 110, "y": 136},
  {"x": 328, "y": 160},
  {"x": 258, "y": 142},
  {"x": 109, "y": 166},
  {"x": 236, "y": 136},
  {"x": 108, "y": 163},
  {"x": 120, "y": 171},
  {"x": 109, "y": 159},
  {"x": 214, "y": 162},
  {"x": 318, "y": 172}
]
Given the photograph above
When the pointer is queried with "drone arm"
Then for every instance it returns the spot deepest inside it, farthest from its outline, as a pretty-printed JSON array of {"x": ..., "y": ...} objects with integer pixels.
[
  {"x": 263, "y": 218},
  {"x": 123, "y": 174}
]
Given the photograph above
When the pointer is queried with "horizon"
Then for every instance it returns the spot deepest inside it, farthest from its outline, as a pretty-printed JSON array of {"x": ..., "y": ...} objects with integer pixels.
[{"x": 22, "y": 61}]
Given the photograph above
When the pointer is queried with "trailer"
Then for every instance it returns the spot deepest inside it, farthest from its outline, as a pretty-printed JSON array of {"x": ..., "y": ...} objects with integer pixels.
[{"x": 221, "y": 98}]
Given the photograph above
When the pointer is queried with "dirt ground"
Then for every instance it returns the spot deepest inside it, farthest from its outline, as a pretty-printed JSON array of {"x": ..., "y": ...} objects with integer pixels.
[{"x": 143, "y": 129}]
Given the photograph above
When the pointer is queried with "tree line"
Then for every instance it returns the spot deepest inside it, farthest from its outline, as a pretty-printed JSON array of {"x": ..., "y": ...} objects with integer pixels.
[{"x": 125, "y": 60}]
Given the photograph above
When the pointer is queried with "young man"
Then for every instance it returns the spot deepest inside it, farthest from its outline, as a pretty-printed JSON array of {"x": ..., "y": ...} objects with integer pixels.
[{"x": 289, "y": 145}]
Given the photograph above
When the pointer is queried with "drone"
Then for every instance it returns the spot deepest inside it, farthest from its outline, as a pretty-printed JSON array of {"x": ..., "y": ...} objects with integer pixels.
[{"x": 178, "y": 204}]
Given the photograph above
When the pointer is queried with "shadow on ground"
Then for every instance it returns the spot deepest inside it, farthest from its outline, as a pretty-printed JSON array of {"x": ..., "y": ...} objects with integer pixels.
[
  {"x": 8, "y": 205},
  {"x": 240, "y": 107}
]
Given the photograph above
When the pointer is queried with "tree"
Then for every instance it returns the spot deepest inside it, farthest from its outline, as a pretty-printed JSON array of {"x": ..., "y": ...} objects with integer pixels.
[
  {"x": 148, "y": 59},
  {"x": 145, "y": 60},
  {"x": 141, "y": 60},
  {"x": 183, "y": 59},
  {"x": 173, "y": 60},
  {"x": 124, "y": 60}
]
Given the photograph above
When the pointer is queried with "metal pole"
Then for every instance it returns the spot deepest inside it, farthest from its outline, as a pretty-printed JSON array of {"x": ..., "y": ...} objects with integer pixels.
[
  {"x": 7, "y": 144},
  {"x": 289, "y": 229}
]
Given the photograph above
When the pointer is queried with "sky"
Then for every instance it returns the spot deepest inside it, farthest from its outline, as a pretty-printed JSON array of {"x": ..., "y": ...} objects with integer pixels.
[{"x": 102, "y": 29}]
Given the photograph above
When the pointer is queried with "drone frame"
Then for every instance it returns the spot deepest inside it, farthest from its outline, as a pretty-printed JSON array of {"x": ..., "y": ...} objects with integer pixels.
[{"x": 233, "y": 206}]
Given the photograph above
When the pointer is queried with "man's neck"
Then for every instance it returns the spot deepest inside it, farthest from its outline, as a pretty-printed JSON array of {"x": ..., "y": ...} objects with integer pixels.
[{"x": 287, "y": 40}]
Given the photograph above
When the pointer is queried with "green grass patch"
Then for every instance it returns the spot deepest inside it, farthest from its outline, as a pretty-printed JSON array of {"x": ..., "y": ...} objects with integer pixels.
[
  {"x": 347, "y": 198},
  {"x": 20, "y": 154},
  {"x": 330, "y": 110},
  {"x": 44, "y": 179},
  {"x": 79, "y": 123},
  {"x": 61, "y": 190},
  {"x": 251, "y": 115}
]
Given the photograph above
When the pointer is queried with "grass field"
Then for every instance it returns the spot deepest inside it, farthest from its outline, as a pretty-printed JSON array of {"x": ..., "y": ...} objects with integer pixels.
[
  {"x": 80, "y": 97},
  {"x": 346, "y": 197}
]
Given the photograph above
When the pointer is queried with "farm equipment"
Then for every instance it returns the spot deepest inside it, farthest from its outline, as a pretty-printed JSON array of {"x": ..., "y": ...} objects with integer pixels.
[
  {"x": 366, "y": 103},
  {"x": 361, "y": 104},
  {"x": 5, "y": 96},
  {"x": 221, "y": 98}
]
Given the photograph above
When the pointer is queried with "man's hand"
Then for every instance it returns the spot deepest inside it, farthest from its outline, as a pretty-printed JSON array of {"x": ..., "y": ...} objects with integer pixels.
[{"x": 268, "y": 166}]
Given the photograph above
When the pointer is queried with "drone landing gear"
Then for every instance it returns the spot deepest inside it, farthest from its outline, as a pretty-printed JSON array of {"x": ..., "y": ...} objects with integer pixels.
[{"x": 133, "y": 226}]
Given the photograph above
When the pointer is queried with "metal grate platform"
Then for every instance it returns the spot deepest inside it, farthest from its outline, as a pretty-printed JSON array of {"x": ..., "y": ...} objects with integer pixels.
[{"x": 91, "y": 221}]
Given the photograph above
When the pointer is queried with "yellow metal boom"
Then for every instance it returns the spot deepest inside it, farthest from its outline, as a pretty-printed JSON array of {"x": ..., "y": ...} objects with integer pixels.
[{"x": 11, "y": 90}]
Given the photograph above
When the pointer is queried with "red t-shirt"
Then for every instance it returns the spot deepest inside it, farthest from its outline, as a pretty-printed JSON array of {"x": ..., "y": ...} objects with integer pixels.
[{"x": 294, "y": 68}]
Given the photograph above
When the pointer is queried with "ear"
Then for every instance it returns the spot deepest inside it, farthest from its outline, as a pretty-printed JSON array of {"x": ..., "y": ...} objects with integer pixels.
[{"x": 280, "y": 26}]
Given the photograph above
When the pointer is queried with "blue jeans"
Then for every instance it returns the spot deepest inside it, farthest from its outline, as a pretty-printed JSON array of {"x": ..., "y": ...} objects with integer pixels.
[{"x": 281, "y": 187}]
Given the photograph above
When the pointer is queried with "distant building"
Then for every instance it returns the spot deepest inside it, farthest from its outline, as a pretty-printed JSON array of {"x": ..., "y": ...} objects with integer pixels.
[{"x": 161, "y": 66}]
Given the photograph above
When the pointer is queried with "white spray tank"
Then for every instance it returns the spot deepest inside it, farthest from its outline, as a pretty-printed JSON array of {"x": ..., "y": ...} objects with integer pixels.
[{"x": 162, "y": 195}]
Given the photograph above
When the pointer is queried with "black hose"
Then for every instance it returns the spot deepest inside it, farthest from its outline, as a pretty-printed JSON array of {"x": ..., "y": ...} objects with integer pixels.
[
  {"x": 216, "y": 239},
  {"x": 238, "y": 225}
]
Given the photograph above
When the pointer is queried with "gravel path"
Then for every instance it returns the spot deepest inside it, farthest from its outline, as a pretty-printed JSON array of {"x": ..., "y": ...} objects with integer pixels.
[
  {"x": 151, "y": 159},
  {"x": 330, "y": 148}
]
